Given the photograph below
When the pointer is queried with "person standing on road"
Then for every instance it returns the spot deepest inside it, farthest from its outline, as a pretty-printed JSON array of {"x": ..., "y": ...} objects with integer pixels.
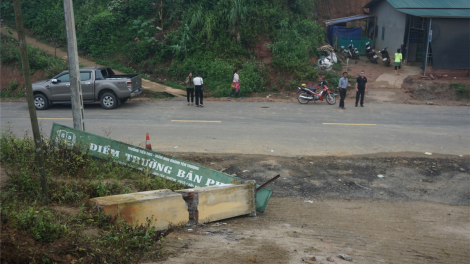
[
  {"x": 361, "y": 88},
  {"x": 198, "y": 82},
  {"x": 343, "y": 87},
  {"x": 398, "y": 60},
  {"x": 190, "y": 88},
  {"x": 235, "y": 85}
]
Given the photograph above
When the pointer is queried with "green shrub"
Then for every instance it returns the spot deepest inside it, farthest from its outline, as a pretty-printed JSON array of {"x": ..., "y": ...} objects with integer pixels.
[
  {"x": 253, "y": 79},
  {"x": 297, "y": 43},
  {"x": 41, "y": 223},
  {"x": 126, "y": 240},
  {"x": 148, "y": 182},
  {"x": 65, "y": 162},
  {"x": 338, "y": 67},
  {"x": 73, "y": 178},
  {"x": 212, "y": 37},
  {"x": 463, "y": 92},
  {"x": 12, "y": 91},
  {"x": 175, "y": 85},
  {"x": 13, "y": 85},
  {"x": 38, "y": 59}
]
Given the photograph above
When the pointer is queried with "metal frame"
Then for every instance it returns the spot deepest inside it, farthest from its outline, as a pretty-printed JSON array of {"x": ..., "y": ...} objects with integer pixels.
[{"x": 427, "y": 46}]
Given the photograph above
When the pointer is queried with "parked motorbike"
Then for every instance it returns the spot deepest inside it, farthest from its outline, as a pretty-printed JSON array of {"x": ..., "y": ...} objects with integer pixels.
[
  {"x": 307, "y": 94},
  {"x": 343, "y": 53},
  {"x": 371, "y": 53},
  {"x": 385, "y": 56},
  {"x": 353, "y": 52},
  {"x": 350, "y": 52}
]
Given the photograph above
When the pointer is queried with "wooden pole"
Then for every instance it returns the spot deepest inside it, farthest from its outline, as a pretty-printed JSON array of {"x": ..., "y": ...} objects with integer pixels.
[
  {"x": 74, "y": 71},
  {"x": 30, "y": 97}
]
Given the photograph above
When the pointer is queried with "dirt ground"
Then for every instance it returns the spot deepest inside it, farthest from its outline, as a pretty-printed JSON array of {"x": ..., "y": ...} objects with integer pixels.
[
  {"x": 417, "y": 213},
  {"x": 434, "y": 92}
]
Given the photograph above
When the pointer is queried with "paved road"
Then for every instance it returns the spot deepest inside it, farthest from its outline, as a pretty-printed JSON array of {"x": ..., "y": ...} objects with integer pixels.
[{"x": 285, "y": 129}]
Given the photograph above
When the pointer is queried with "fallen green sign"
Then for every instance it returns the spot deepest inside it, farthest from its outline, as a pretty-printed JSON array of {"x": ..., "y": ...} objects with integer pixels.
[{"x": 187, "y": 173}]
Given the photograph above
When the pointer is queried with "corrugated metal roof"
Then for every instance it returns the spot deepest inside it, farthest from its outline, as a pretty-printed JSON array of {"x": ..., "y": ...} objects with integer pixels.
[
  {"x": 430, "y": 4},
  {"x": 345, "y": 19},
  {"x": 451, "y": 13},
  {"x": 429, "y": 8}
]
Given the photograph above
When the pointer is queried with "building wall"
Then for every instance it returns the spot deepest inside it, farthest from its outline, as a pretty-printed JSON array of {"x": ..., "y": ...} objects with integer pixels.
[
  {"x": 451, "y": 43},
  {"x": 394, "y": 23}
]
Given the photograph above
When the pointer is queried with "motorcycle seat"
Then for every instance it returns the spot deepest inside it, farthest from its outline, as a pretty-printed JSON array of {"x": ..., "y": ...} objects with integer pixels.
[{"x": 311, "y": 89}]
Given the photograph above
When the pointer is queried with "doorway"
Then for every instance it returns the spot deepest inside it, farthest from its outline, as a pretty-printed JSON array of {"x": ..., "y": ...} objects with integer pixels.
[{"x": 416, "y": 39}]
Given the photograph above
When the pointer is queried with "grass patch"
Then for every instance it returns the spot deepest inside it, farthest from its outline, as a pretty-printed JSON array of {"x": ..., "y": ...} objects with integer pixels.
[
  {"x": 175, "y": 85},
  {"x": 12, "y": 91},
  {"x": 155, "y": 95},
  {"x": 38, "y": 59},
  {"x": 116, "y": 65},
  {"x": 463, "y": 91},
  {"x": 42, "y": 234},
  {"x": 338, "y": 66}
]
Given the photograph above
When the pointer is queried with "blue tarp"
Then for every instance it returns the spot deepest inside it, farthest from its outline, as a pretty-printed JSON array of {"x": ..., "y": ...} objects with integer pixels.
[{"x": 343, "y": 33}]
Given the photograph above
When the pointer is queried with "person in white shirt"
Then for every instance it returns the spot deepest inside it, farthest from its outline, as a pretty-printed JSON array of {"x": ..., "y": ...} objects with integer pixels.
[
  {"x": 235, "y": 85},
  {"x": 198, "y": 82}
]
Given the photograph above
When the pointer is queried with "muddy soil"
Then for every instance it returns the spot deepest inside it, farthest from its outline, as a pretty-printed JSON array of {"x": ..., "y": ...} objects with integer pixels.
[
  {"x": 435, "y": 92},
  {"x": 417, "y": 213},
  {"x": 443, "y": 179},
  {"x": 369, "y": 231}
]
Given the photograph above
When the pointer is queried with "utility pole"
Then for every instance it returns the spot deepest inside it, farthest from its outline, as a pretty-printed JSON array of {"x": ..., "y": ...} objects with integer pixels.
[
  {"x": 31, "y": 108},
  {"x": 74, "y": 71}
]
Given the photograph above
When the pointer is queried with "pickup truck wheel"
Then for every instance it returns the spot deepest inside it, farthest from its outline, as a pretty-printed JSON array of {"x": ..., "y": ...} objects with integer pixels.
[
  {"x": 41, "y": 102},
  {"x": 109, "y": 101}
]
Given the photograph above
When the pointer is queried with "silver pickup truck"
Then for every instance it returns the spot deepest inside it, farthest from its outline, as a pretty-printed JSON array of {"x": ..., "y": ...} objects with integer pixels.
[{"x": 98, "y": 84}]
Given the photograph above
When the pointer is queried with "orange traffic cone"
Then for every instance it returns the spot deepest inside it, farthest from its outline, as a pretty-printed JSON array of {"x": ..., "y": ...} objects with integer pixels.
[{"x": 147, "y": 143}]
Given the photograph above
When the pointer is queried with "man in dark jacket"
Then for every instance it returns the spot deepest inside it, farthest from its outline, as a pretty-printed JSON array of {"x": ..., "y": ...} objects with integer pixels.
[{"x": 361, "y": 88}]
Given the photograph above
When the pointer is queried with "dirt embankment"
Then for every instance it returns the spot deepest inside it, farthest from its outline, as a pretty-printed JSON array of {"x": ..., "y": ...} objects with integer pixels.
[
  {"x": 13, "y": 72},
  {"x": 330, "y": 9},
  {"x": 418, "y": 212},
  {"x": 441, "y": 91},
  {"x": 408, "y": 177}
]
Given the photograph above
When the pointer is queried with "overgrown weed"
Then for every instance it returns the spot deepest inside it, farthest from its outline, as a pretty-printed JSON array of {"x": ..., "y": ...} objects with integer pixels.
[
  {"x": 73, "y": 178},
  {"x": 463, "y": 91}
]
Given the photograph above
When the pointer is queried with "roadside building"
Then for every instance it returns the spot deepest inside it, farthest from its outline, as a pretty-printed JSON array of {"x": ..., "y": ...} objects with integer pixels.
[{"x": 432, "y": 31}]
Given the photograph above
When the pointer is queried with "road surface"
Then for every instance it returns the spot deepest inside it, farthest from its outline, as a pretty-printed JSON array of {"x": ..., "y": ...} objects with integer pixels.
[{"x": 284, "y": 129}]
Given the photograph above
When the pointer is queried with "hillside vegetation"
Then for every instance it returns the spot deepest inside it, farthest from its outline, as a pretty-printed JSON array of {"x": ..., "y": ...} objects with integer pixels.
[{"x": 209, "y": 36}]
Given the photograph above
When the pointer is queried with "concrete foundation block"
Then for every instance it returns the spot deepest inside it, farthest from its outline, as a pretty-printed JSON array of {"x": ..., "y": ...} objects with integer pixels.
[
  {"x": 213, "y": 203},
  {"x": 166, "y": 207}
]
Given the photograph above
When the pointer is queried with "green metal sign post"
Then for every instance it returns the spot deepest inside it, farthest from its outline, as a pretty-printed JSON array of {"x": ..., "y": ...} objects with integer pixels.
[{"x": 186, "y": 173}]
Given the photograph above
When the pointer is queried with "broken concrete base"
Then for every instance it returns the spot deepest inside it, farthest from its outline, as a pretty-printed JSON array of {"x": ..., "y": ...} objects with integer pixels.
[
  {"x": 213, "y": 203},
  {"x": 163, "y": 207},
  {"x": 197, "y": 205}
]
